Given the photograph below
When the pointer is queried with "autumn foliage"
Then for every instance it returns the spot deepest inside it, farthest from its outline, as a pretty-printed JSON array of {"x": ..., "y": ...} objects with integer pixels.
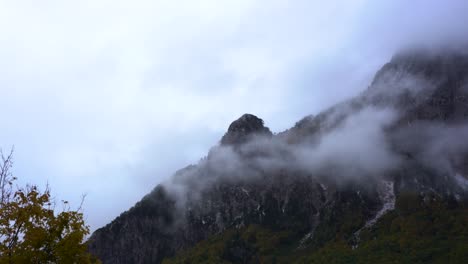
[{"x": 33, "y": 231}]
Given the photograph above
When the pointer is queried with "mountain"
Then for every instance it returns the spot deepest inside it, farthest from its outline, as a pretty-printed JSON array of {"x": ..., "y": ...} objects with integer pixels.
[{"x": 382, "y": 177}]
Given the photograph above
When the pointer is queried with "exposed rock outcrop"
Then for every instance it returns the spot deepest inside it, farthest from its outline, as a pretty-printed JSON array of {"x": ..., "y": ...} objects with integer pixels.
[
  {"x": 427, "y": 89},
  {"x": 243, "y": 129}
]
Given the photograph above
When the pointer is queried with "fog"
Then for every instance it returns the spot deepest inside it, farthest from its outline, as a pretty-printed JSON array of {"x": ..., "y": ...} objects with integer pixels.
[
  {"x": 109, "y": 98},
  {"x": 356, "y": 149},
  {"x": 362, "y": 140},
  {"x": 437, "y": 145}
]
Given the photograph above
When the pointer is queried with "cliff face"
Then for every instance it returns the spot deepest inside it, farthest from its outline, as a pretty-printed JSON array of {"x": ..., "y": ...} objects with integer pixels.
[{"x": 293, "y": 182}]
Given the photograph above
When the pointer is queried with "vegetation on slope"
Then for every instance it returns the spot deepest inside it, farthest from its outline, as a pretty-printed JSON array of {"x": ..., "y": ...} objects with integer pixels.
[{"x": 422, "y": 229}]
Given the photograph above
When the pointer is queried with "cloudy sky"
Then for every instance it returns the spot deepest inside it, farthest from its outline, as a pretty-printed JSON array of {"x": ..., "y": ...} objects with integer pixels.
[{"x": 108, "y": 98}]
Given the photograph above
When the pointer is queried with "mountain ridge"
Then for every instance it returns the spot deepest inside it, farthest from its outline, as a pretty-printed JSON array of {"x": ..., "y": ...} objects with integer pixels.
[{"x": 303, "y": 180}]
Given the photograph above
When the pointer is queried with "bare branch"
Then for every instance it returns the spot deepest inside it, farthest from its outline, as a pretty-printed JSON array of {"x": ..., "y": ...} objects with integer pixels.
[
  {"x": 83, "y": 197},
  {"x": 6, "y": 177}
]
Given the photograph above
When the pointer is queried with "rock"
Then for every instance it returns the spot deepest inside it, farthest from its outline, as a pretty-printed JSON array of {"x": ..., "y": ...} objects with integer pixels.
[
  {"x": 244, "y": 129},
  {"x": 424, "y": 87}
]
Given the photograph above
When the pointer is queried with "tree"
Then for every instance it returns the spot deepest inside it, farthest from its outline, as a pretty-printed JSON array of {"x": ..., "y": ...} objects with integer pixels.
[
  {"x": 32, "y": 231},
  {"x": 6, "y": 177}
]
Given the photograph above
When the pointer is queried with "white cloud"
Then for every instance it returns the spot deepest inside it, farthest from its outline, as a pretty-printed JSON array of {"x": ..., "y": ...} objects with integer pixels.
[{"x": 109, "y": 97}]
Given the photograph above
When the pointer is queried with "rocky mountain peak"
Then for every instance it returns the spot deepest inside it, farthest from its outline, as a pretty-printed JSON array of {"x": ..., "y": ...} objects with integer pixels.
[
  {"x": 440, "y": 66},
  {"x": 238, "y": 200},
  {"x": 243, "y": 128}
]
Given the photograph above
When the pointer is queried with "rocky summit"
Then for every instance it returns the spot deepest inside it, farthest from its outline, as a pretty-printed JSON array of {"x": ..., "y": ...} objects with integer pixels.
[
  {"x": 382, "y": 177},
  {"x": 244, "y": 128}
]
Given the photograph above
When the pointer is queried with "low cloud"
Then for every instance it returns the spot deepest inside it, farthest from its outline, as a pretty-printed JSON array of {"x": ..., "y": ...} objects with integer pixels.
[
  {"x": 103, "y": 96},
  {"x": 437, "y": 145},
  {"x": 354, "y": 150}
]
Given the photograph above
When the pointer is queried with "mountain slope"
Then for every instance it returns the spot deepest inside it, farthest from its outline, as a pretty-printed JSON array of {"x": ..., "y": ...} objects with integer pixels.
[
  {"x": 415, "y": 232},
  {"x": 322, "y": 184}
]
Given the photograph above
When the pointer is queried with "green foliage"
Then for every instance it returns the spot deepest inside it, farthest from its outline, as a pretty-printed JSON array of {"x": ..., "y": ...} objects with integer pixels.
[
  {"x": 31, "y": 231},
  {"x": 251, "y": 244},
  {"x": 419, "y": 230}
]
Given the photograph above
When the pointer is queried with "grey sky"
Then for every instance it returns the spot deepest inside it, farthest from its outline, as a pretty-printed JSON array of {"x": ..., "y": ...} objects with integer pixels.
[{"x": 108, "y": 98}]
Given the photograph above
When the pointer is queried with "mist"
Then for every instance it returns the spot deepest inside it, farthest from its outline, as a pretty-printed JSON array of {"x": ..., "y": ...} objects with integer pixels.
[
  {"x": 437, "y": 145},
  {"x": 109, "y": 98},
  {"x": 361, "y": 140},
  {"x": 356, "y": 150}
]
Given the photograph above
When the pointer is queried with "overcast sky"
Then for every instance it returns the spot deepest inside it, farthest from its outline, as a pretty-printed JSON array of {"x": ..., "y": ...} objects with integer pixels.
[{"x": 109, "y": 98}]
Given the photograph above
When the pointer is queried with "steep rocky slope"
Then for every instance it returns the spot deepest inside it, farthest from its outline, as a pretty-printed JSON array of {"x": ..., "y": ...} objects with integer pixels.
[{"x": 333, "y": 175}]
